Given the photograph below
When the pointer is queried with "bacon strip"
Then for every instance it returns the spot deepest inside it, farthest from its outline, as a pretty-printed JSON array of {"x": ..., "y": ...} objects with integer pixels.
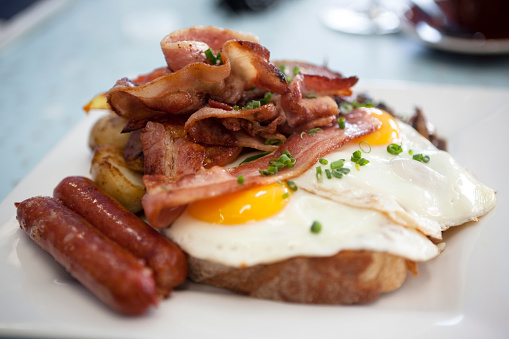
[
  {"x": 245, "y": 64},
  {"x": 168, "y": 154},
  {"x": 188, "y": 45},
  {"x": 321, "y": 83},
  {"x": 163, "y": 193}
]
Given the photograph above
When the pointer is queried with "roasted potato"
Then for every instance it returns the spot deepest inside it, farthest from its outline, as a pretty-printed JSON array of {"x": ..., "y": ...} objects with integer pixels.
[
  {"x": 107, "y": 131},
  {"x": 109, "y": 171}
]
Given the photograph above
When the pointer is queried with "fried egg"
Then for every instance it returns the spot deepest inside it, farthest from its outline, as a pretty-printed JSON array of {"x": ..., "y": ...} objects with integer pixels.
[
  {"x": 288, "y": 232},
  {"x": 391, "y": 204},
  {"x": 429, "y": 196}
]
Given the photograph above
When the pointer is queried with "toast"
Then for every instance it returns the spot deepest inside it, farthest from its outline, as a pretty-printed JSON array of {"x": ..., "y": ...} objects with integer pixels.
[{"x": 348, "y": 277}]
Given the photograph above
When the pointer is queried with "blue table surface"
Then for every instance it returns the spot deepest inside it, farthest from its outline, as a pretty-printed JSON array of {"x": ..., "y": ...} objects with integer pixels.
[{"x": 51, "y": 71}]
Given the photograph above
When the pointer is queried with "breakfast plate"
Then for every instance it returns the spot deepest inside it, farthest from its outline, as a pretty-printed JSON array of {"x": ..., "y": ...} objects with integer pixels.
[{"x": 460, "y": 293}]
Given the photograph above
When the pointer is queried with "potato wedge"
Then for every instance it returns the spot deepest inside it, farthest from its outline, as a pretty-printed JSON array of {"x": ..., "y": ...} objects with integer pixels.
[
  {"x": 107, "y": 131},
  {"x": 109, "y": 171}
]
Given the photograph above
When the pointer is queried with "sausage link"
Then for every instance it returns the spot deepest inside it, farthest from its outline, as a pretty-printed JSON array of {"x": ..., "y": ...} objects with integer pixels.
[
  {"x": 111, "y": 273},
  {"x": 105, "y": 213}
]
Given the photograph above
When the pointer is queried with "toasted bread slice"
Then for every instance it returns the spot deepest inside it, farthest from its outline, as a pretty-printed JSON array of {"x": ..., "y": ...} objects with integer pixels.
[{"x": 345, "y": 278}]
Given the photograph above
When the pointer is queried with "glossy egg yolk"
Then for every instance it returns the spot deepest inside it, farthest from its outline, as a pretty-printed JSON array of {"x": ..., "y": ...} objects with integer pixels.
[
  {"x": 388, "y": 132},
  {"x": 252, "y": 204}
]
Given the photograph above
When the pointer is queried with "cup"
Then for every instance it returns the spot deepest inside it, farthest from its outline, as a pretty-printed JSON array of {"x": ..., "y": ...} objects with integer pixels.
[{"x": 487, "y": 19}]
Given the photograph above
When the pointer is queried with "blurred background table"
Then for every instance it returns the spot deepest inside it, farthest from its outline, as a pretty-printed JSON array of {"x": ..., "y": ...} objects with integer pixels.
[{"x": 63, "y": 53}]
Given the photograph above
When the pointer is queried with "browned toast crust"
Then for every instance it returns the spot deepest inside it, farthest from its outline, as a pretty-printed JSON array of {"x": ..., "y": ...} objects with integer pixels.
[{"x": 345, "y": 278}]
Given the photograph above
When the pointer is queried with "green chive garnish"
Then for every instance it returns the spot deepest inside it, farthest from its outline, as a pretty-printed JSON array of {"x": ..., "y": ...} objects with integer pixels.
[
  {"x": 292, "y": 185},
  {"x": 210, "y": 55},
  {"x": 319, "y": 175},
  {"x": 421, "y": 158},
  {"x": 240, "y": 179},
  {"x": 337, "y": 164},
  {"x": 254, "y": 157},
  {"x": 313, "y": 131},
  {"x": 342, "y": 123},
  {"x": 357, "y": 159},
  {"x": 296, "y": 70},
  {"x": 394, "y": 149},
  {"x": 316, "y": 227},
  {"x": 323, "y": 161},
  {"x": 362, "y": 149}
]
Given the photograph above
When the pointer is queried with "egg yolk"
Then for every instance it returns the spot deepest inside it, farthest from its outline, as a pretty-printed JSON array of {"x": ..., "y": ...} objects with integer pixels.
[
  {"x": 387, "y": 132},
  {"x": 252, "y": 204}
]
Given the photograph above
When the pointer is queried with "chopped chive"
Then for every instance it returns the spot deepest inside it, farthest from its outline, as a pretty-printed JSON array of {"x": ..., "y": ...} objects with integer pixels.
[
  {"x": 394, "y": 149},
  {"x": 363, "y": 162},
  {"x": 310, "y": 96},
  {"x": 319, "y": 175},
  {"x": 256, "y": 103},
  {"x": 302, "y": 133},
  {"x": 292, "y": 185},
  {"x": 285, "y": 160},
  {"x": 342, "y": 123},
  {"x": 266, "y": 98},
  {"x": 323, "y": 161},
  {"x": 358, "y": 160},
  {"x": 286, "y": 195},
  {"x": 337, "y": 174},
  {"x": 328, "y": 173},
  {"x": 367, "y": 143},
  {"x": 345, "y": 107},
  {"x": 410, "y": 152},
  {"x": 356, "y": 156},
  {"x": 421, "y": 158},
  {"x": 236, "y": 107},
  {"x": 272, "y": 141},
  {"x": 210, "y": 55},
  {"x": 296, "y": 70},
  {"x": 240, "y": 179},
  {"x": 316, "y": 227},
  {"x": 254, "y": 157},
  {"x": 313, "y": 131},
  {"x": 337, "y": 164}
]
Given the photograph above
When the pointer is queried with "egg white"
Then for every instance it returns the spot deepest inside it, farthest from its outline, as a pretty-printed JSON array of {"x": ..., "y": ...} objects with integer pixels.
[
  {"x": 287, "y": 234},
  {"x": 430, "y": 197}
]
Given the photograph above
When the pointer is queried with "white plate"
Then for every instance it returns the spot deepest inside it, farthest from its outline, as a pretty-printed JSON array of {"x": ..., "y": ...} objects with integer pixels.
[{"x": 463, "y": 292}]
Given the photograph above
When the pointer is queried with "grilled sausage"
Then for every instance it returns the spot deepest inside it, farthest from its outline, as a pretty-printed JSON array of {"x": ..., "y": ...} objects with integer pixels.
[
  {"x": 111, "y": 273},
  {"x": 165, "y": 258}
]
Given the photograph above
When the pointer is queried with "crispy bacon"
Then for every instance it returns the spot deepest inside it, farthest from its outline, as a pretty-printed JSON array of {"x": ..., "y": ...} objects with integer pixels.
[
  {"x": 168, "y": 153},
  {"x": 309, "y": 101},
  {"x": 265, "y": 113},
  {"x": 220, "y": 156},
  {"x": 245, "y": 64},
  {"x": 165, "y": 193},
  {"x": 188, "y": 45},
  {"x": 210, "y": 132}
]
